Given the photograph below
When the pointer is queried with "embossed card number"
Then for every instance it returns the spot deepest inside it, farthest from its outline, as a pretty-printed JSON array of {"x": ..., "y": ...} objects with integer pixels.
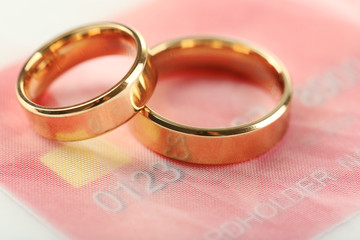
[
  {"x": 151, "y": 185},
  {"x": 112, "y": 201}
]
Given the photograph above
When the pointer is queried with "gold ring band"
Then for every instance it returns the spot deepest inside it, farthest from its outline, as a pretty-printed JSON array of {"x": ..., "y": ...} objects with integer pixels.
[
  {"x": 102, "y": 113},
  {"x": 217, "y": 145}
]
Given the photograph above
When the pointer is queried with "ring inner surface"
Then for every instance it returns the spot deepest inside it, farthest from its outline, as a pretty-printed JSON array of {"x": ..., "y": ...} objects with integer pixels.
[
  {"x": 220, "y": 56},
  {"x": 67, "y": 51}
]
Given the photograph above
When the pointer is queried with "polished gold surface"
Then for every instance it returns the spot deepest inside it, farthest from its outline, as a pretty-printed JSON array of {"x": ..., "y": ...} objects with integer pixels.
[
  {"x": 102, "y": 113},
  {"x": 216, "y": 145}
]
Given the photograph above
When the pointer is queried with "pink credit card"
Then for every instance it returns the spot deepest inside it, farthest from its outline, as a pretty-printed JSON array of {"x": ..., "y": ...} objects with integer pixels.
[{"x": 112, "y": 187}]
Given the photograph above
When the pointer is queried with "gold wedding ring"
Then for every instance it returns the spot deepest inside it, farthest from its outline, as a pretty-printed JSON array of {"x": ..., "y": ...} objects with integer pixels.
[
  {"x": 102, "y": 113},
  {"x": 217, "y": 145},
  {"x": 129, "y": 96}
]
